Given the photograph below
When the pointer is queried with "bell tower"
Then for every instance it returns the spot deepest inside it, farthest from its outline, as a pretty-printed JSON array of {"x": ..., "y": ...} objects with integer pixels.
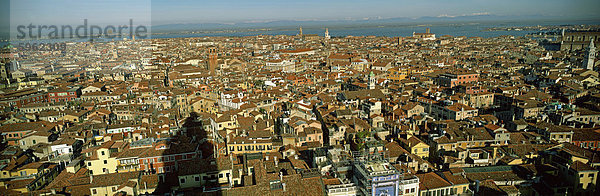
[
  {"x": 371, "y": 80},
  {"x": 590, "y": 56},
  {"x": 212, "y": 61}
]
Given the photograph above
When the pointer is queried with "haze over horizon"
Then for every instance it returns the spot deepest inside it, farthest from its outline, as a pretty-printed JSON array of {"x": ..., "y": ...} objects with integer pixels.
[{"x": 236, "y": 11}]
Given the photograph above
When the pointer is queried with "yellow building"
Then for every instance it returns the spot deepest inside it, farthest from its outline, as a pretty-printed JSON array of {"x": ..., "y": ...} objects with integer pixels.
[
  {"x": 223, "y": 121},
  {"x": 197, "y": 173},
  {"x": 396, "y": 74},
  {"x": 241, "y": 145},
  {"x": 584, "y": 177},
  {"x": 35, "y": 175},
  {"x": 16, "y": 187},
  {"x": 479, "y": 100},
  {"x": 415, "y": 146},
  {"x": 100, "y": 161},
  {"x": 204, "y": 105},
  {"x": 110, "y": 184},
  {"x": 25, "y": 170},
  {"x": 445, "y": 183}
]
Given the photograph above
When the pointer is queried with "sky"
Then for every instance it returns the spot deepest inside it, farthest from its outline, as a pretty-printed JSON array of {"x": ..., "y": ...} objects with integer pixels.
[
  {"x": 260, "y": 10},
  {"x": 235, "y": 11}
]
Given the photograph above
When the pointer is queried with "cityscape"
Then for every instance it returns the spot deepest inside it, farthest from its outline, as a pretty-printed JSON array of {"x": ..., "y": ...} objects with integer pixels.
[{"x": 381, "y": 98}]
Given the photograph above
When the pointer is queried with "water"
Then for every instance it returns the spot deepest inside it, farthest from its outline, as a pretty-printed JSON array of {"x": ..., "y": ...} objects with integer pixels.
[{"x": 388, "y": 30}]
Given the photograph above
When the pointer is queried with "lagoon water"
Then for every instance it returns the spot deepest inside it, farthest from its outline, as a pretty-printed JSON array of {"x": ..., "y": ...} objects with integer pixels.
[{"x": 469, "y": 29}]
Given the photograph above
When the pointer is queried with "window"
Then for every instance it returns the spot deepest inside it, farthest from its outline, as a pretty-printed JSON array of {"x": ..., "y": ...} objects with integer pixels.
[
  {"x": 591, "y": 175},
  {"x": 94, "y": 191},
  {"x": 89, "y": 163},
  {"x": 114, "y": 189},
  {"x": 220, "y": 175},
  {"x": 102, "y": 152},
  {"x": 34, "y": 141},
  {"x": 105, "y": 162},
  {"x": 197, "y": 178},
  {"x": 182, "y": 181}
]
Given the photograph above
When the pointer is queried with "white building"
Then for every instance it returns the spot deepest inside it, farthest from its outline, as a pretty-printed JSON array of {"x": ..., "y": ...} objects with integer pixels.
[
  {"x": 62, "y": 149},
  {"x": 342, "y": 190},
  {"x": 120, "y": 128},
  {"x": 409, "y": 186},
  {"x": 232, "y": 99},
  {"x": 283, "y": 65}
]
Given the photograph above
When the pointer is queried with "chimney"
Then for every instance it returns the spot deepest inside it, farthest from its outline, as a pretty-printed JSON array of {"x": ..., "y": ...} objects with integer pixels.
[
  {"x": 280, "y": 176},
  {"x": 283, "y": 184},
  {"x": 276, "y": 161}
]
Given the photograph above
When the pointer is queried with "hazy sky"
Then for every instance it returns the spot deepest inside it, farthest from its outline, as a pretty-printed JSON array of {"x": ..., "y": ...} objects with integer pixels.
[
  {"x": 199, "y": 11},
  {"x": 235, "y": 10}
]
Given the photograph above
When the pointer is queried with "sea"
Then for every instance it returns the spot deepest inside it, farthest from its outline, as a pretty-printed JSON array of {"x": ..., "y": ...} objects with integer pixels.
[
  {"x": 452, "y": 28},
  {"x": 469, "y": 29}
]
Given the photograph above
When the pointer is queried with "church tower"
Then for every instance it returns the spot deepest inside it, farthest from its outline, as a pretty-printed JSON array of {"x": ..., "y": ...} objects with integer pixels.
[
  {"x": 327, "y": 33},
  {"x": 371, "y": 80},
  {"x": 300, "y": 32},
  {"x": 212, "y": 61},
  {"x": 590, "y": 56}
]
